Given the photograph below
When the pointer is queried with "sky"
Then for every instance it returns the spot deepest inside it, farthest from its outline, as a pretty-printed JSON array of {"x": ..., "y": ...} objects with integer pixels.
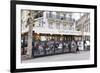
[{"x": 76, "y": 16}]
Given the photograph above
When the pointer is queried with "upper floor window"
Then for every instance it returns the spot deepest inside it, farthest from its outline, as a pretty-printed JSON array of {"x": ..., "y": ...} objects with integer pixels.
[
  {"x": 58, "y": 15},
  {"x": 41, "y": 22},
  {"x": 58, "y": 25},
  {"x": 50, "y": 25},
  {"x": 63, "y": 17},
  {"x": 64, "y": 26},
  {"x": 50, "y": 14}
]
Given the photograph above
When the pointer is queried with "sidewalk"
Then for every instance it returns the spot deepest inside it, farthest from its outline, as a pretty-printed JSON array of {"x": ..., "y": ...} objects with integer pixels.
[{"x": 82, "y": 55}]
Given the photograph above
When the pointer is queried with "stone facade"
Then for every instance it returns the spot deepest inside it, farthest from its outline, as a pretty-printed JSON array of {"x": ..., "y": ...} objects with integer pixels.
[{"x": 83, "y": 25}]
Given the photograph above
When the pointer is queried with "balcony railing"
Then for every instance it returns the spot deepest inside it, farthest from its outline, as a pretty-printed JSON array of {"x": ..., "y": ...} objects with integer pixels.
[{"x": 60, "y": 17}]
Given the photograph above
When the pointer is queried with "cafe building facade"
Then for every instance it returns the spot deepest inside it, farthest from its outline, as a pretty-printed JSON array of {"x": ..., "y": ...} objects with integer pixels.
[{"x": 50, "y": 28}]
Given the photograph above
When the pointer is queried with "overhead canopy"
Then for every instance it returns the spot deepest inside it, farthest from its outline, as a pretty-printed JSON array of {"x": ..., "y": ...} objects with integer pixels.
[{"x": 60, "y": 32}]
